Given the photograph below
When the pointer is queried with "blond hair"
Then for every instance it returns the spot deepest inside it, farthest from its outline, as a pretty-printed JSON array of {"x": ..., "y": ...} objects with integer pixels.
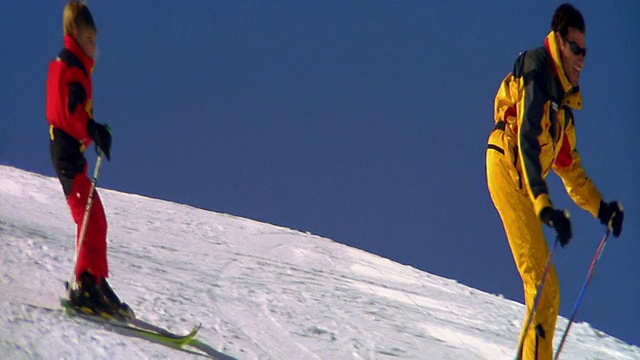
[{"x": 76, "y": 16}]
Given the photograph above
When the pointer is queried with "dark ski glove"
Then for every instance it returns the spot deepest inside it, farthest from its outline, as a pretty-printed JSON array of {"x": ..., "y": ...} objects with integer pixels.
[
  {"x": 611, "y": 215},
  {"x": 101, "y": 134},
  {"x": 559, "y": 220}
]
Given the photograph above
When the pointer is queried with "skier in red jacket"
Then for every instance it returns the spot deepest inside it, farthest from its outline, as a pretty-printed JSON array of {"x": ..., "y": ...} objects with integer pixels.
[{"x": 69, "y": 112}]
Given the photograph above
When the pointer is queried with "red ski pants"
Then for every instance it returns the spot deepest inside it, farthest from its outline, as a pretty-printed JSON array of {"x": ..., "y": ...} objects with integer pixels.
[{"x": 92, "y": 256}]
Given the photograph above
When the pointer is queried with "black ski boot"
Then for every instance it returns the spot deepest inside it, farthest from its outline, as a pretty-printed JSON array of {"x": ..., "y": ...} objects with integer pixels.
[
  {"x": 120, "y": 309},
  {"x": 87, "y": 297}
]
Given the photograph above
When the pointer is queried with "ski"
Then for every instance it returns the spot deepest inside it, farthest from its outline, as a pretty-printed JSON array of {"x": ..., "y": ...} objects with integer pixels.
[{"x": 136, "y": 327}]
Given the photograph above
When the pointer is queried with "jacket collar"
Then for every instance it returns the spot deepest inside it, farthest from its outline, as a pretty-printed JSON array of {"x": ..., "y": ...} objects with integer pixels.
[
  {"x": 572, "y": 98},
  {"x": 72, "y": 45}
]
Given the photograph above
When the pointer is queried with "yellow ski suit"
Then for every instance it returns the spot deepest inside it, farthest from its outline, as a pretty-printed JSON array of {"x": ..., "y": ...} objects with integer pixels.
[{"x": 535, "y": 132}]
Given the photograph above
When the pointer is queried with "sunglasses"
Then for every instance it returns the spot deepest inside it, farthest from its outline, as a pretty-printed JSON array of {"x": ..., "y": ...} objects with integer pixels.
[{"x": 575, "y": 48}]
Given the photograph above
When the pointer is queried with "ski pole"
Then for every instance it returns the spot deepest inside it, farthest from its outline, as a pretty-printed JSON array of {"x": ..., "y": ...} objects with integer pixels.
[
  {"x": 592, "y": 269},
  {"x": 85, "y": 219},
  {"x": 547, "y": 267}
]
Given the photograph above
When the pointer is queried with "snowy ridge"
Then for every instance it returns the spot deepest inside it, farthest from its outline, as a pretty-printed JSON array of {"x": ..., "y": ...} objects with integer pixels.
[{"x": 260, "y": 291}]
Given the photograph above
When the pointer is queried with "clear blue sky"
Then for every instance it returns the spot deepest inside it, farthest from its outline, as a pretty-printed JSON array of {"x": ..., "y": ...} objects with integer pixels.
[{"x": 362, "y": 121}]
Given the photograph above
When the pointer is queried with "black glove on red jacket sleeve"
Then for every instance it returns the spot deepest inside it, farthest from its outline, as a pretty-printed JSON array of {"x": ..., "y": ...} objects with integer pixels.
[{"x": 101, "y": 135}]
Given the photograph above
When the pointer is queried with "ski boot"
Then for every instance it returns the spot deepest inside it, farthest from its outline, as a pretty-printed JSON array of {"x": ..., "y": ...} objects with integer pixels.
[
  {"x": 86, "y": 296},
  {"x": 121, "y": 310}
]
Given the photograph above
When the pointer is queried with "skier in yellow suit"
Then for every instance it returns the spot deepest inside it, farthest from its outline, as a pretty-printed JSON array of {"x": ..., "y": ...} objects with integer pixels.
[{"x": 534, "y": 133}]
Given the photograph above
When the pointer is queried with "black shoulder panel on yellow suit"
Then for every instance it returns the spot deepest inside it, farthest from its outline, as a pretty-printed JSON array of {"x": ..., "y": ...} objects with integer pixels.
[{"x": 535, "y": 69}]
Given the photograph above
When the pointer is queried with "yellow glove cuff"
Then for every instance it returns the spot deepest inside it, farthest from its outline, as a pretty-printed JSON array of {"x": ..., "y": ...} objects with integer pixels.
[{"x": 541, "y": 202}]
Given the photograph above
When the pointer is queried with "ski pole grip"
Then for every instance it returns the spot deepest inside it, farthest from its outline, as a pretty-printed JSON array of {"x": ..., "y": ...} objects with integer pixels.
[{"x": 613, "y": 214}]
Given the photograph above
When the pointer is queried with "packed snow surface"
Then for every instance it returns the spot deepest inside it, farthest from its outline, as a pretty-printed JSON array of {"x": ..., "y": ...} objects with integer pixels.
[{"x": 260, "y": 291}]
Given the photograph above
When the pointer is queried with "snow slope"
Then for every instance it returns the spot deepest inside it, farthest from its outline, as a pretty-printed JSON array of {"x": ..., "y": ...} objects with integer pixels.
[{"x": 261, "y": 291}]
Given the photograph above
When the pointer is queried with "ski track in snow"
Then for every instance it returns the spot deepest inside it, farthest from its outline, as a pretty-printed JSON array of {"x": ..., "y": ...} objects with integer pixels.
[{"x": 260, "y": 291}]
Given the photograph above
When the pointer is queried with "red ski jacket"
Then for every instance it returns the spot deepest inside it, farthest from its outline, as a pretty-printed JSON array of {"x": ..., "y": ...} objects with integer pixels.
[{"x": 69, "y": 92}]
